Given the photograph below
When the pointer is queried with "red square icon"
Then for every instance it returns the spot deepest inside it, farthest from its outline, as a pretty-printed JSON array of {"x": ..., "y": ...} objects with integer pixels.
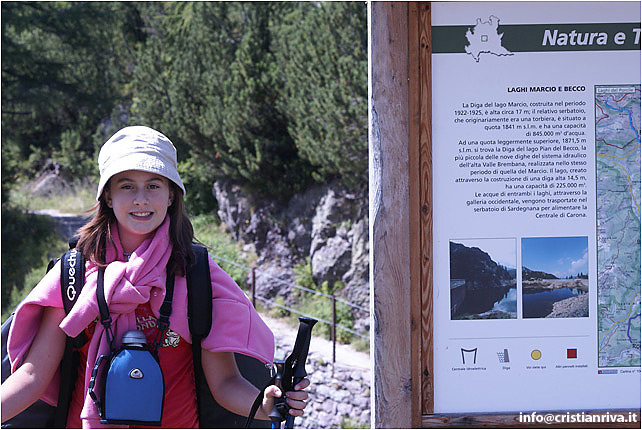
[{"x": 571, "y": 353}]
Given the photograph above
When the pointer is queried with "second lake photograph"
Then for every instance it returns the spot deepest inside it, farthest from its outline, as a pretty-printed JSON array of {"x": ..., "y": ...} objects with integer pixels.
[{"x": 555, "y": 280}]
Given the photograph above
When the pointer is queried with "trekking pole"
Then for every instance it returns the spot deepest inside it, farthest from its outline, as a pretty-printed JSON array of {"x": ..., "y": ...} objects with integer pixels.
[
  {"x": 280, "y": 407},
  {"x": 294, "y": 368},
  {"x": 288, "y": 373}
]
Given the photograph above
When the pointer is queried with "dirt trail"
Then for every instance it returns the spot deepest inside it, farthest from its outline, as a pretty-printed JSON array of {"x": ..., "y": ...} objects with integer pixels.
[{"x": 346, "y": 356}]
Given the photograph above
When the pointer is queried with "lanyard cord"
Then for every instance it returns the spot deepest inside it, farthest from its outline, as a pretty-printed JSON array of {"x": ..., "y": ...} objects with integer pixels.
[
  {"x": 165, "y": 312},
  {"x": 163, "y": 320}
]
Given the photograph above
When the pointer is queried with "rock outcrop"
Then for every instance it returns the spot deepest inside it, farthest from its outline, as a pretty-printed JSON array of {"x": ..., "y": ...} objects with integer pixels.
[
  {"x": 573, "y": 307},
  {"x": 52, "y": 178},
  {"x": 327, "y": 224}
]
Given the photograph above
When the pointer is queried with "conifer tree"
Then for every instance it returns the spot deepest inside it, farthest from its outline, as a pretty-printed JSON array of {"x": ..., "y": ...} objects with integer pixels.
[
  {"x": 60, "y": 77},
  {"x": 321, "y": 51},
  {"x": 215, "y": 95}
]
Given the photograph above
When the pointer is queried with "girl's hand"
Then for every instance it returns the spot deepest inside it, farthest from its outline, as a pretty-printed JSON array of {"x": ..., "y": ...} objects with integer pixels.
[{"x": 296, "y": 399}]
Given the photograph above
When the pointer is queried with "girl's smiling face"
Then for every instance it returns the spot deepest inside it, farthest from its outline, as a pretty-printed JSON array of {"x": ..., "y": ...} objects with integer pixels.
[{"x": 140, "y": 201}]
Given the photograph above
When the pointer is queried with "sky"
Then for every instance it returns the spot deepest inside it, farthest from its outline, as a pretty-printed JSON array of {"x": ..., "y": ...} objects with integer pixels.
[
  {"x": 560, "y": 256},
  {"x": 501, "y": 251}
]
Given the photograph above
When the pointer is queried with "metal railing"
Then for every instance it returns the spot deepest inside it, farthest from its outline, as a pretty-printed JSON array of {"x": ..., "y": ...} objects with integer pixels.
[{"x": 333, "y": 299}]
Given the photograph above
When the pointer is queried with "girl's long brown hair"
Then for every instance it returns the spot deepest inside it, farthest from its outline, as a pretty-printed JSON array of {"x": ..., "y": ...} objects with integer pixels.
[{"x": 94, "y": 235}]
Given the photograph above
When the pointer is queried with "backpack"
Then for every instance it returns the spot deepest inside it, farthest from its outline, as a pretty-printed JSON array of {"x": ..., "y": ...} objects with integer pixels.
[{"x": 210, "y": 413}]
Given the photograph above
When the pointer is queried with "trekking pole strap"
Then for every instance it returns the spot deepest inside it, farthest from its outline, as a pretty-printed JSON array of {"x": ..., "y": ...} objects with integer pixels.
[{"x": 257, "y": 403}]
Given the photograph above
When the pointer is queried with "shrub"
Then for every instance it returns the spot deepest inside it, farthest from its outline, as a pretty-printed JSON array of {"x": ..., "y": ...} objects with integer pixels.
[
  {"x": 28, "y": 243},
  {"x": 320, "y": 306},
  {"x": 208, "y": 232},
  {"x": 278, "y": 311}
]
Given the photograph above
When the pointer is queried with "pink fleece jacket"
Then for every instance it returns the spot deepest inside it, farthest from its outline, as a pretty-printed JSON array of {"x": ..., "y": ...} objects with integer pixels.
[{"x": 236, "y": 327}]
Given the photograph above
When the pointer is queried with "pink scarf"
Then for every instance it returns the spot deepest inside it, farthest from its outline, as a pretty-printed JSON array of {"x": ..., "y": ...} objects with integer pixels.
[{"x": 236, "y": 326}]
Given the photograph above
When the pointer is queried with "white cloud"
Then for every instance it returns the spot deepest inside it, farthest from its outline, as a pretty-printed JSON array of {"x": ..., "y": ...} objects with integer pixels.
[{"x": 579, "y": 265}]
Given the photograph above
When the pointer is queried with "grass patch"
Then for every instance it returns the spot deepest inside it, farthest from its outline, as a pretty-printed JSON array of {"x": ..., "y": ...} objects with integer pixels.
[
  {"x": 361, "y": 344},
  {"x": 223, "y": 247},
  {"x": 76, "y": 198},
  {"x": 28, "y": 243},
  {"x": 320, "y": 306},
  {"x": 352, "y": 423}
]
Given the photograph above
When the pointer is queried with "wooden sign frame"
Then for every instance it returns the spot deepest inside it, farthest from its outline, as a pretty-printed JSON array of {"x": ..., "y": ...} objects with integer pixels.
[{"x": 401, "y": 228}]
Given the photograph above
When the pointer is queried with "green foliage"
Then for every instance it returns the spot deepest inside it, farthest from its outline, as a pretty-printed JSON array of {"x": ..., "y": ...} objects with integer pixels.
[
  {"x": 325, "y": 91},
  {"x": 320, "y": 306},
  {"x": 269, "y": 94},
  {"x": 199, "y": 198},
  {"x": 213, "y": 94},
  {"x": 348, "y": 422},
  {"x": 28, "y": 243},
  {"x": 220, "y": 244},
  {"x": 279, "y": 311},
  {"x": 303, "y": 272},
  {"x": 72, "y": 153},
  {"x": 61, "y": 75},
  {"x": 361, "y": 344}
]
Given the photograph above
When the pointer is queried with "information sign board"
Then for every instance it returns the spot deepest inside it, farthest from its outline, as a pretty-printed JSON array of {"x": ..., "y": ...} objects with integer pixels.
[{"x": 536, "y": 205}]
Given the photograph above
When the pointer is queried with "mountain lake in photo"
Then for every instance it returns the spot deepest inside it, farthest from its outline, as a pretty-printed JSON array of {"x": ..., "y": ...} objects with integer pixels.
[{"x": 540, "y": 296}]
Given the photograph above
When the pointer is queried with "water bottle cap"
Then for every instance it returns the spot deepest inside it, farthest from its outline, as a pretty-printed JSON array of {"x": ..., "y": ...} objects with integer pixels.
[{"x": 134, "y": 337}]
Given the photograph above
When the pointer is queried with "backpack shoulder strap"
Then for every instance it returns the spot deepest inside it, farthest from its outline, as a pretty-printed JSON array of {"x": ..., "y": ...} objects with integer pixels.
[
  {"x": 72, "y": 277},
  {"x": 199, "y": 312},
  {"x": 40, "y": 414},
  {"x": 72, "y": 280},
  {"x": 199, "y": 295}
]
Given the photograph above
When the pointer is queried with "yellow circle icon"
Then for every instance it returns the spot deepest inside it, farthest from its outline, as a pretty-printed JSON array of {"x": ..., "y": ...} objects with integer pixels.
[{"x": 536, "y": 354}]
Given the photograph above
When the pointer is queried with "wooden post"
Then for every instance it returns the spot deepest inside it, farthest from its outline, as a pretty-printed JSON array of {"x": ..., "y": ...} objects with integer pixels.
[
  {"x": 390, "y": 234},
  {"x": 421, "y": 259},
  {"x": 334, "y": 332}
]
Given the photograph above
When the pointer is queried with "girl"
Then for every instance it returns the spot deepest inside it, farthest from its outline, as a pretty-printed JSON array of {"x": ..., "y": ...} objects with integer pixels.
[{"x": 139, "y": 229}]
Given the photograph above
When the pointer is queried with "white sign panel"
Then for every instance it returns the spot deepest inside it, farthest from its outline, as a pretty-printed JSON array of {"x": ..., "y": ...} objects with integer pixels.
[{"x": 536, "y": 176}]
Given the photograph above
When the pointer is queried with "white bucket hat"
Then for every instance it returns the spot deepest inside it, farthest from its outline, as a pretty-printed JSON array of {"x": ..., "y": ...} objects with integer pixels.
[{"x": 137, "y": 148}]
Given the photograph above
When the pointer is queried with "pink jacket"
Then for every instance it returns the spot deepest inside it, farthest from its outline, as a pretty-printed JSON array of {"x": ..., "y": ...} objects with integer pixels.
[{"x": 236, "y": 326}]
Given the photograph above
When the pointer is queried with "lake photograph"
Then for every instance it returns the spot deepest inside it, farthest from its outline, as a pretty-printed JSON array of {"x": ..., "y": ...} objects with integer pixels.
[
  {"x": 555, "y": 281},
  {"x": 483, "y": 279}
]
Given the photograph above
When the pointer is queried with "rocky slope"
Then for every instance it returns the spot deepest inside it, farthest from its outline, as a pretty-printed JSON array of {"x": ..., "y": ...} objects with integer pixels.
[
  {"x": 327, "y": 224},
  {"x": 573, "y": 307},
  {"x": 485, "y": 281}
]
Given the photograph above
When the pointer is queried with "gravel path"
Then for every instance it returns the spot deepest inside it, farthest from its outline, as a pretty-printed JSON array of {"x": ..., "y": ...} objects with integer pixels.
[
  {"x": 339, "y": 394},
  {"x": 67, "y": 223},
  {"x": 346, "y": 356}
]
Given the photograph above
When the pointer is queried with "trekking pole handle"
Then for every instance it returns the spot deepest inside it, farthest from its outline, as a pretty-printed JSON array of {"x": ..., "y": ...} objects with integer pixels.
[
  {"x": 301, "y": 348},
  {"x": 279, "y": 408}
]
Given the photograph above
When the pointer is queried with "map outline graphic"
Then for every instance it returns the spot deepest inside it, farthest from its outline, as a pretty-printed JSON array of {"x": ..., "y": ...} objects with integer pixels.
[{"x": 484, "y": 39}]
